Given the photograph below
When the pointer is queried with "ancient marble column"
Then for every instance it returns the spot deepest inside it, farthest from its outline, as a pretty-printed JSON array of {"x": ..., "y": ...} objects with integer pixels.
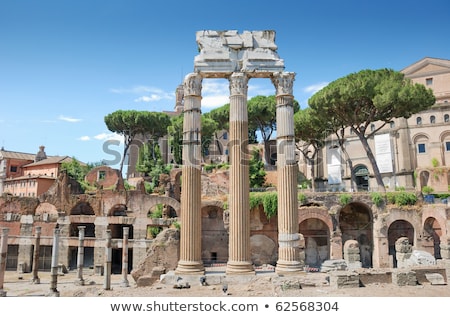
[
  {"x": 126, "y": 231},
  {"x": 239, "y": 258},
  {"x": 108, "y": 261},
  {"x": 54, "y": 269},
  {"x": 3, "y": 252},
  {"x": 80, "y": 258},
  {"x": 288, "y": 236},
  {"x": 191, "y": 226},
  {"x": 37, "y": 246}
]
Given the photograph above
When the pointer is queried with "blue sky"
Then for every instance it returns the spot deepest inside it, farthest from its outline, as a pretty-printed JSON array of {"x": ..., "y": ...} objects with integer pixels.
[{"x": 64, "y": 65}]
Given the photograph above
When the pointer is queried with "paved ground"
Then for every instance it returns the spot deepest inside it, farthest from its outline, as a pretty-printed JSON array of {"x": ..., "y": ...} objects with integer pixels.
[{"x": 262, "y": 284}]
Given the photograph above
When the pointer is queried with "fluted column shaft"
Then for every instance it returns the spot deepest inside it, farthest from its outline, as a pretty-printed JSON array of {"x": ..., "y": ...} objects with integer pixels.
[
  {"x": 288, "y": 237},
  {"x": 239, "y": 238},
  {"x": 191, "y": 226}
]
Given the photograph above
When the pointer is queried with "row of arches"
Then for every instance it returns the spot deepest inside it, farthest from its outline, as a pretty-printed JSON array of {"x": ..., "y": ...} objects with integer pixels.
[{"x": 324, "y": 234}]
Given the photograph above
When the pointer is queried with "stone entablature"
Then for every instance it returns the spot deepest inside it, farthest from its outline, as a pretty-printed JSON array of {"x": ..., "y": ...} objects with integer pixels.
[{"x": 225, "y": 52}]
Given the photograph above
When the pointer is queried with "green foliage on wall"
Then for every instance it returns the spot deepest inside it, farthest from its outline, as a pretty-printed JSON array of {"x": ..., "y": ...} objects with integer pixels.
[
  {"x": 344, "y": 199},
  {"x": 269, "y": 201}
]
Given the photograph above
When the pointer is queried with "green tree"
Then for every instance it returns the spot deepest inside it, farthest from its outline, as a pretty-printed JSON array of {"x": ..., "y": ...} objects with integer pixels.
[
  {"x": 309, "y": 137},
  {"x": 262, "y": 117},
  {"x": 151, "y": 164},
  {"x": 221, "y": 116},
  {"x": 175, "y": 130},
  {"x": 131, "y": 123},
  {"x": 208, "y": 129},
  {"x": 75, "y": 169},
  {"x": 369, "y": 96},
  {"x": 257, "y": 172}
]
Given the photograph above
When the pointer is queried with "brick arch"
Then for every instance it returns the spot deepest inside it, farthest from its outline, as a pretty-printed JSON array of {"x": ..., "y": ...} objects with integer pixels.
[
  {"x": 18, "y": 205},
  {"x": 320, "y": 213},
  {"x": 355, "y": 221},
  {"x": 405, "y": 215},
  {"x": 46, "y": 208},
  {"x": 10, "y": 206},
  {"x": 213, "y": 203},
  {"x": 436, "y": 233},
  {"x": 152, "y": 201},
  {"x": 441, "y": 220},
  {"x": 82, "y": 208}
]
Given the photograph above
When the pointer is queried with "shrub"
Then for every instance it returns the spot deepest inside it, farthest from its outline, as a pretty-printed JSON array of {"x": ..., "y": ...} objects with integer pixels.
[
  {"x": 344, "y": 199},
  {"x": 270, "y": 203},
  {"x": 427, "y": 190},
  {"x": 377, "y": 199},
  {"x": 390, "y": 197},
  {"x": 302, "y": 198},
  {"x": 404, "y": 198}
]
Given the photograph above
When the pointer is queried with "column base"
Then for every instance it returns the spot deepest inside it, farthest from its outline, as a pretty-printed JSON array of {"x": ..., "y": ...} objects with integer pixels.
[
  {"x": 124, "y": 283},
  {"x": 190, "y": 267},
  {"x": 239, "y": 267},
  {"x": 288, "y": 267},
  {"x": 53, "y": 293},
  {"x": 80, "y": 282}
]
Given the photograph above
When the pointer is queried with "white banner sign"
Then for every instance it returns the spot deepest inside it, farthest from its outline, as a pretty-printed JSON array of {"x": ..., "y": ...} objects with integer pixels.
[{"x": 383, "y": 153}]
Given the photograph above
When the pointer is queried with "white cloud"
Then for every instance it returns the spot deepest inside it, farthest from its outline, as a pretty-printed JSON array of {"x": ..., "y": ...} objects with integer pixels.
[
  {"x": 68, "y": 119},
  {"x": 84, "y": 138},
  {"x": 108, "y": 136},
  {"x": 150, "y": 98},
  {"x": 147, "y": 93},
  {"x": 216, "y": 92},
  {"x": 211, "y": 102},
  {"x": 312, "y": 89}
]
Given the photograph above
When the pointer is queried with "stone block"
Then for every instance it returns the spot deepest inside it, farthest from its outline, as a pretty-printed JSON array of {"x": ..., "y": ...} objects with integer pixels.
[
  {"x": 145, "y": 280},
  {"x": 435, "y": 278},
  {"x": 340, "y": 279},
  {"x": 404, "y": 278}
]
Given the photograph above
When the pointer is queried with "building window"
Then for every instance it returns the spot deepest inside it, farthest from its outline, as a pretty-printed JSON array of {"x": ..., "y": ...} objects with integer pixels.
[
  {"x": 225, "y": 135},
  {"x": 372, "y": 127},
  {"x": 101, "y": 175},
  {"x": 13, "y": 169},
  {"x": 429, "y": 81},
  {"x": 392, "y": 124},
  {"x": 432, "y": 119},
  {"x": 446, "y": 118},
  {"x": 447, "y": 146},
  {"x": 419, "y": 120},
  {"x": 421, "y": 148}
]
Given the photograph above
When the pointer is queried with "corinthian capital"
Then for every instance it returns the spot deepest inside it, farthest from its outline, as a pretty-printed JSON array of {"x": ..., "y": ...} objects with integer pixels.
[
  {"x": 283, "y": 83},
  {"x": 238, "y": 84},
  {"x": 192, "y": 84}
]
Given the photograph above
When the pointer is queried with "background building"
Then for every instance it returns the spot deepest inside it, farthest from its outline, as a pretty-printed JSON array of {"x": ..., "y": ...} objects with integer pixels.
[{"x": 411, "y": 153}]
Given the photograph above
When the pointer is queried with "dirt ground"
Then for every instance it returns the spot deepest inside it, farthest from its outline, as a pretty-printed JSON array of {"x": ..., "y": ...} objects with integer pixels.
[{"x": 260, "y": 285}]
